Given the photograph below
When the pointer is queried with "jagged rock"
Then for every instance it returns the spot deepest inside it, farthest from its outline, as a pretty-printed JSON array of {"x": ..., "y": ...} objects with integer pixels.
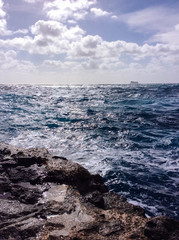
[
  {"x": 161, "y": 228},
  {"x": 45, "y": 197}
]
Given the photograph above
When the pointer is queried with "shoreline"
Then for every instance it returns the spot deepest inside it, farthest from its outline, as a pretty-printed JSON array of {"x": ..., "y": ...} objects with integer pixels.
[{"x": 49, "y": 197}]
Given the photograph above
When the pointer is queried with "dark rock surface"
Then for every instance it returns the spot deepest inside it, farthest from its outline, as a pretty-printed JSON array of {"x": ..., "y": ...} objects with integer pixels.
[{"x": 49, "y": 198}]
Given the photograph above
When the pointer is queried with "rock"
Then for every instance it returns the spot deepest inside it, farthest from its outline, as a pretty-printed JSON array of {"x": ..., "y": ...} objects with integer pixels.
[
  {"x": 45, "y": 197},
  {"x": 161, "y": 228}
]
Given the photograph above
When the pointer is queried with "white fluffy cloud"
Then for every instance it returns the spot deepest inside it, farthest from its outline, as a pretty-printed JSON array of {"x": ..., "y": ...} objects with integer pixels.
[
  {"x": 48, "y": 28},
  {"x": 6, "y": 56},
  {"x": 54, "y": 38},
  {"x": 56, "y": 31},
  {"x": 99, "y": 12},
  {"x": 9, "y": 61},
  {"x": 3, "y": 27},
  {"x": 87, "y": 47},
  {"x": 3, "y": 22},
  {"x": 49, "y": 37},
  {"x": 95, "y": 47},
  {"x": 63, "y": 10},
  {"x": 67, "y": 47},
  {"x": 72, "y": 11},
  {"x": 2, "y": 12}
]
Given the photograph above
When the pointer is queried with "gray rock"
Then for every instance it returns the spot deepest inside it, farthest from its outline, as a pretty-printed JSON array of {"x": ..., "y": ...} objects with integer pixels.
[{"x": 45, "y": 197}]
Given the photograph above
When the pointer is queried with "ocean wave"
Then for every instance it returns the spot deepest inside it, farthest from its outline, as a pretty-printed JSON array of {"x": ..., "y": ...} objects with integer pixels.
[{"x": 128, "y": 135}]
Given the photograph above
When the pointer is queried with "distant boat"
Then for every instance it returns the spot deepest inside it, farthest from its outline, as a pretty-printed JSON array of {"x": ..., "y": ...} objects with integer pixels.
[{"x": 134, "y": 83}]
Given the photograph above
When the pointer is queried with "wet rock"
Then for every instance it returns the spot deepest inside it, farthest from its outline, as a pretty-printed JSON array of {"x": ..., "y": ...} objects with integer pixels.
[
  {"x": 95, "y": 198},
  {"x": 162, "y": 228},
  {"x": 45, "y": 197},
  {"x": 62, "y": 171},
  {"x": 113, "y": 200}
]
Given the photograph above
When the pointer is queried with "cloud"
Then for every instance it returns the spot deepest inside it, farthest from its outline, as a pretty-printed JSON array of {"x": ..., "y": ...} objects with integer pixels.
[
  {"x": 32, "y": 1},
  {"x": 54, "y": 38},
  {"x": 99, "y": 12},
  {"x": 6, "y": 56},
  {"x": 161, "y": 22},
  {"x": 95, "y": 53},
  {"x": 74, "y": 45},
  {"x": 171, "y": 37},
  {"x": 52, "y": 63},
  {"x": 65, "y": 47},
  {"x": 48, "y": 28},
  {"x": 55, "y": 29},
  {"x": 9, "y": 61},
  {"x": 2, "y": 12},
  {"x": 4, "y": 31},
  {"x": 72, "y": 11},
  {"x": 92, "y": 64},
  {"x": 87, "y": 47},
  {"x": 74, "y": 33},
  {"x": 96, "y": 47},
  {"x": 63, "y": 10},
  {"x": 3, "y": 22},
  {"x": 57, "y": 65},
  {"x": 69, "y": 48},
  {"x": 49, "y": 37},
  {"x": 3, "y": 27},
  {"x": 151, "y": 19}
]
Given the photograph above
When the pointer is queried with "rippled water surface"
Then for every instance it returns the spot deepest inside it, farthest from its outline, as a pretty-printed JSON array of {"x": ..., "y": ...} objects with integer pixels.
[{"x": 128, "y": 134}]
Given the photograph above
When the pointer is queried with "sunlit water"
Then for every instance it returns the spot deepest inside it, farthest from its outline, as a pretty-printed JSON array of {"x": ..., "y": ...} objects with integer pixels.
[{"x": 127, "y": 134}]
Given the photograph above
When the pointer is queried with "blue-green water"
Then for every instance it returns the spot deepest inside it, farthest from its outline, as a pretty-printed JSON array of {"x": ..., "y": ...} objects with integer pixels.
[{"x": 129, "y": 135}]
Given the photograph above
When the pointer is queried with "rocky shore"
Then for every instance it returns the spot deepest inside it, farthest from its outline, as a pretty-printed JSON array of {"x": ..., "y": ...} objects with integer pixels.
[{"x": 47, "y": 197}]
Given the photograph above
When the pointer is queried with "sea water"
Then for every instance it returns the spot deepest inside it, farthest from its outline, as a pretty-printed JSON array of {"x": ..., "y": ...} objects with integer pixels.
[{"x": 128, "y": 134}]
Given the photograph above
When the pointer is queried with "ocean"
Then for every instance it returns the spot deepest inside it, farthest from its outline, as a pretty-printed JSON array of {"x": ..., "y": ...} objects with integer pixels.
[{"x": 128, "y": 134}]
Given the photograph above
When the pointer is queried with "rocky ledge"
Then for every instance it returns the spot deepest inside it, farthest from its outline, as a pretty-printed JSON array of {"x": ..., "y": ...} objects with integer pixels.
[{"x": 49, "y": 198}]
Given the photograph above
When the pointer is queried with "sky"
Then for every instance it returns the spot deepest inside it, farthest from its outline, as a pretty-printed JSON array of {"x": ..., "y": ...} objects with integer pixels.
[{"x": 89, "y": 41}]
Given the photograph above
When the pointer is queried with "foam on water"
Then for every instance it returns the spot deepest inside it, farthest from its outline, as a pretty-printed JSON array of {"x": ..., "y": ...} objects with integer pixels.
[{"x": 128, "y": 135}]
